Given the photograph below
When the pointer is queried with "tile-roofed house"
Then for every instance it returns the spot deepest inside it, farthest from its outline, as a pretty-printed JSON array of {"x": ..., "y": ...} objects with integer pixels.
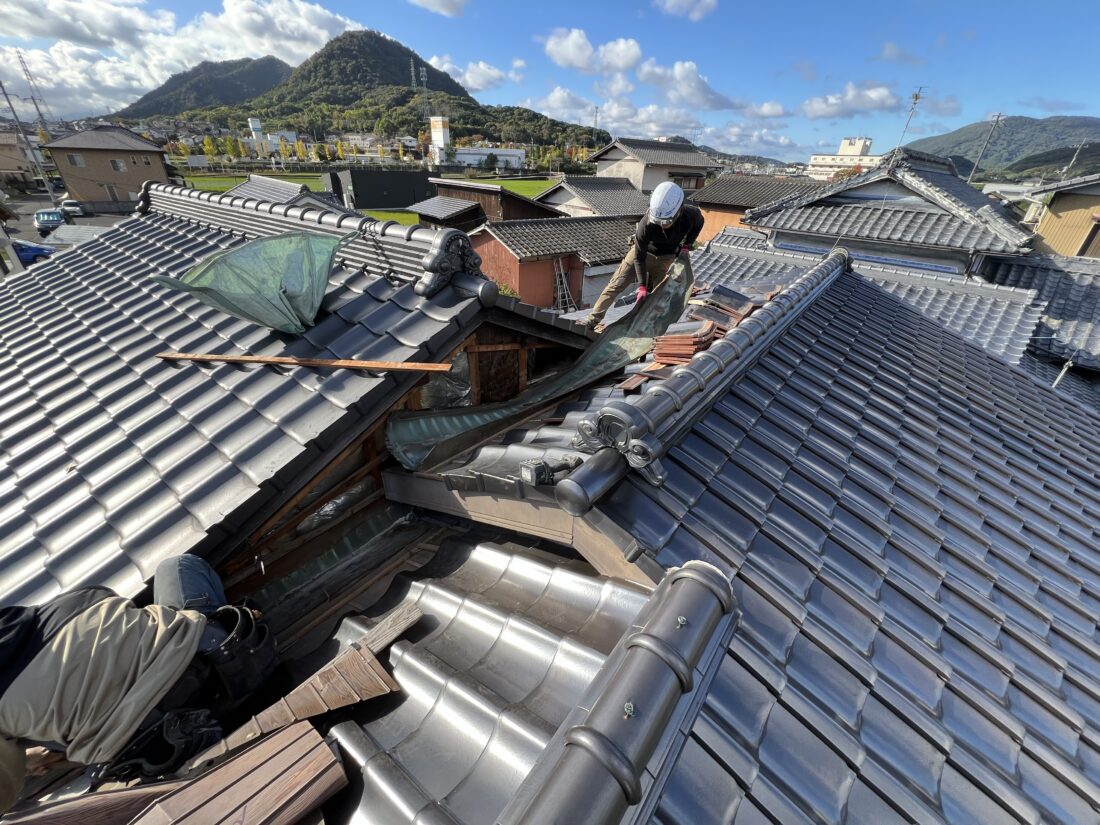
[
  {"x": 276, "y": 190},
  {"x": 526, "y": 256},
  {"x": 113, "y": 459},
  {"x": 455, "y": 212},
  {"x": 913, "y": 206},
  {"x": 107, "y": 163},
  {"x": 587, "y": 195},
  {"x": 1070, "y": 288},
  {"x": 724, "y": 201},
  {"x": 647, "y": 163},
  {"x": 1069, "y": 223},
  {"x": 911, "y": 527},
  {"x": 495, "y": 202},
  {"x": 104, "y": 137}
]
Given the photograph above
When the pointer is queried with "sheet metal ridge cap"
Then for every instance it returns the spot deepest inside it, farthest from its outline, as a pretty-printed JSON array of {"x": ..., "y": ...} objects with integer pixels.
[
  {"x": 796, "y": 200},
  {"x": 593, "y": 769},
  {"x": 977, "y": 286},
  {"x": 636, "y": 433}
]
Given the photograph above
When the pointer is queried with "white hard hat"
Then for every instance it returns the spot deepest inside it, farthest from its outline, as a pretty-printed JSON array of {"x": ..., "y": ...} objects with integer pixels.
[{"x": 665, "y": 202}]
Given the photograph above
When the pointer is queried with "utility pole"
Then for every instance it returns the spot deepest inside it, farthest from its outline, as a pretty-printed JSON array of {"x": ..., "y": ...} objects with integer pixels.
[
  {"x": 988, "y": 137},
  {"x": 427, "y": 105},
  {"x": 36, "y": 95},
  {"x": 30, "y": 149},
  {"x": 596, "y": 128},
  {"x": 1073, "y": 160}
]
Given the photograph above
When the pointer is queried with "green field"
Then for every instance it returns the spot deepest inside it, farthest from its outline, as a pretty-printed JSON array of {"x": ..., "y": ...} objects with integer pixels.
[
  {"x": 220, "y": 183},
  {"x": 406, "y": 218},
  {"x": 527, "y": 188}
]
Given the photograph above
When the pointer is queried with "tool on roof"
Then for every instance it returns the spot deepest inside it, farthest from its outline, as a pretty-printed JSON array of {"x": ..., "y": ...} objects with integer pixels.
[{"x": 286, "y": 360}]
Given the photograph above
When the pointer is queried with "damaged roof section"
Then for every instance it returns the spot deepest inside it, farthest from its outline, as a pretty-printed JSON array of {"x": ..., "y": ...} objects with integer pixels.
[
  {"x": 928, "y": 205},
  {"x": 114, "y": 459}
]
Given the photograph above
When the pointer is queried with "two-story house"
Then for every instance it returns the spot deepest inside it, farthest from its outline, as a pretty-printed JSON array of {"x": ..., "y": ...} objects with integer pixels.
[
  {"x": 107, "y": 163},
  {"x": 646, "y": 163}
]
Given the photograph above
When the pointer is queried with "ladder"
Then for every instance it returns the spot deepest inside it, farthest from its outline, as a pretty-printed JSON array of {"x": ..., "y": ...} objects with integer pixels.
[{"x": 563, "y": 301}]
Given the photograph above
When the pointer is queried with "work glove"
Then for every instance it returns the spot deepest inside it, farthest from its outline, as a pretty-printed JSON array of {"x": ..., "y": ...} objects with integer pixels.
[
  {"x": 640, "y": 296},
  {"x": 685, "y": 250}
]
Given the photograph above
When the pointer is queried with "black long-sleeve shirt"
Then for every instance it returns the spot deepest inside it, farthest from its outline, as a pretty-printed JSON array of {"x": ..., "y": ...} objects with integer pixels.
[{"x": 651, "y": 237}]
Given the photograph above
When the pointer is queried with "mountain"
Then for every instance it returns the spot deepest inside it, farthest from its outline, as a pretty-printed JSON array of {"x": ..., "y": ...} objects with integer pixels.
[
  {"x": 1049, "y": 165},
  {"x": 759, "y": 160},
  {"x": 352, "y": 63},
  {"x": 1014, "y": 139},
  {"x": 210, "y": 84}
]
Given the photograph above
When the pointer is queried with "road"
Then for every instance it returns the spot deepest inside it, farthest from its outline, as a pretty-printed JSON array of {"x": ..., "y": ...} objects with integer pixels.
[{"x": 22, "y": 227}]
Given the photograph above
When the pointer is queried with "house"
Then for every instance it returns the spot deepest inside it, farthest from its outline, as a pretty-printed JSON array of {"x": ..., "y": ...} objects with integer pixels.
[
  {"x": 442, "y": 212},
  {"x": 842, "y": 566},
  {"x": 563, "y": 263},
  {"x": 724, "y": 201},
  {"x": 585, "y": 195},
  {"x": 853, "y": 152},
  {"x": 275, "y": 190},
  {"x": 107, "y": 164},
  {"x": 912, "y": 208},
  {"x": 646, "y": 163},
  {"x": 13, "y": 154},
  {"x": 495, "y": 202},
  {"x": 1070, "y": 223}
]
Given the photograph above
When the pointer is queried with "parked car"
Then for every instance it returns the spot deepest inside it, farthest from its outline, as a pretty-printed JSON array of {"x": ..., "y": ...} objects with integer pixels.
[
  {"x": 47, "y": 220},
  {"x": 71, "y": 207},
  {"x": 31, "y": 253}
]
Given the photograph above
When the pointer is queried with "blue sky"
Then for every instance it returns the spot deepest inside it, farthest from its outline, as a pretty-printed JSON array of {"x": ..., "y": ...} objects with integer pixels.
[{"x": 781, "y": 80}]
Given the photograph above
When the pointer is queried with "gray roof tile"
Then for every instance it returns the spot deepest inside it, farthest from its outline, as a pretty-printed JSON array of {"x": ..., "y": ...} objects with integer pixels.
[
  {"x": 267, "y": 188},
  {"x": 442, "y": 208},
  {"x": 596, "y": 240},
  {"x": 604, "y": 195},
  {"x": 104, "y": 137},
  {"x": 660, "y": 153},
  {"x": 1065, "y": 185},
  {"x": 752, "y": 190}
]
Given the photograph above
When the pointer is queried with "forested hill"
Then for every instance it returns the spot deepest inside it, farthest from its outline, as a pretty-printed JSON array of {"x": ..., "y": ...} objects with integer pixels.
[
  {"x": 210, "y": 84},
  {"x": 1014, "y": 139}
]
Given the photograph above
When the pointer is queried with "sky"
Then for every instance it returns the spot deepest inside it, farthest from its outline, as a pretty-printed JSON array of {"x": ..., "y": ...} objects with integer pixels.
[{"x": 782, "y": 80}]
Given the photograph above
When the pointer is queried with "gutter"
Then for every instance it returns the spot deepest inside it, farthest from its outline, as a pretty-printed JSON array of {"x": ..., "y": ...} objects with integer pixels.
[{"x": 636, "y": 433}]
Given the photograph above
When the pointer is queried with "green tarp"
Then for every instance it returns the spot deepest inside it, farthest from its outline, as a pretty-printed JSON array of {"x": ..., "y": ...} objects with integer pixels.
[{"x": 277, "y": 282}]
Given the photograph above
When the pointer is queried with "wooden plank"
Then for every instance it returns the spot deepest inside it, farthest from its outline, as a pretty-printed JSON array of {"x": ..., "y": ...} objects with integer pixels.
[
  {"x": 362, "y": 674},
  {"x": 289, "y": 361},
  {"x": 276, "y": 716},
  {"x": 104, "y": 806},
  {"x": 304, "y": 702},
  {"x": 334, "y": 689},
  {"x": 515, "y": 346},
  {"x": 390, "y": 626}
]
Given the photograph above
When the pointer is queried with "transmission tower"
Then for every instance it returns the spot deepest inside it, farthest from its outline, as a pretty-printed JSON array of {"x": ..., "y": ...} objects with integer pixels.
[
  {"x": 424, "y": 85},
  {"x": 36, "y": 94}
]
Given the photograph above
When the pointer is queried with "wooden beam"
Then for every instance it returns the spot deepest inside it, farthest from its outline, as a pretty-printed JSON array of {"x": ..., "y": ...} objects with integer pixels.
[
  {"x": 515, "y": 346},
  {"x": 286, "y": 360}
]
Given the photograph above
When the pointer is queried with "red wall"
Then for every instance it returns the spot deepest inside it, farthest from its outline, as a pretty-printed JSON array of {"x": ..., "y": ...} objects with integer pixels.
[{"x": 532, "y": 280}]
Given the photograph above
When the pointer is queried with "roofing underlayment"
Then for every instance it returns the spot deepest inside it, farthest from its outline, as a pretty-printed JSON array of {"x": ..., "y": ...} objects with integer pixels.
[{"x": 113, "y": 459}]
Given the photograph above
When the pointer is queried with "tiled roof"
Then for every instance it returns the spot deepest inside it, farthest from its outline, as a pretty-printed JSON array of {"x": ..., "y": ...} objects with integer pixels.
[
  {"x": 442, "y": 208},
  {"x": 503, "y": 191},
  {"x": 954, "y": 215},
  {"x": 1080, "y": 384},
  {"x": 268, "y": 188},
  {"x": 596, "y": 240},
  {"x": 752, "y": 190},
  {"x": 113, "y": 459},
  {"x": 660, "y": 153},
  {"x": 1070, "y": 288},
  {"x": 104, "y": 137},
  {"x": 914, "y": 531},
  {"x": 605, "y": 196},
  {"x": 1065, "y": 185},
  {"x": 738, "y": 237}
]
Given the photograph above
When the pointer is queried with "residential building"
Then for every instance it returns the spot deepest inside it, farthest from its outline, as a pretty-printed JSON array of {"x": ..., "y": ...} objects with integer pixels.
[
  {"x": 454, "y": 213},
  {"x": 646, "y": 163},
  {"x": 443, "y": 152},
  {"x": 275, "y": 190},
  {"x": 853, "y": 151},
  {"x": 495, "y": 202},
  {"x": 585, "y": 195},
  {"x": 1070, "y": 223},
  {"x": 725, "y": 200},
  {"x": 534, "y": 258},
  {"x": 107, "y": 163},
  {"x": 912, "y": 208},
  {"x": 14, "y": 155}
]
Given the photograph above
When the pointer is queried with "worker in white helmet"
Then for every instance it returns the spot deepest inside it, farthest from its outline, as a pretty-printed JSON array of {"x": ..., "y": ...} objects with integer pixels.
[{"x": 666, "y": 231}]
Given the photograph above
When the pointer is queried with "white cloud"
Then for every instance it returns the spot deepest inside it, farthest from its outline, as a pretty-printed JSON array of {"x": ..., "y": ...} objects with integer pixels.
[
  {"x": 852, "y": 101},
  {"x": 615, "y": 85},
  {"x": 769, "y": 108},
  {"x": 516, "y": 72},
  {"x": 476, "y": 77},
  {"x": 684, "y": 85},
  {"x": 448, "y": 8},
  {"x": 571, "y": 49},
  {"x": 112, "y": 52},
  {"x": 893, "y": 53},
  {"x": 694, "y": 10},
  {"x": 617, "y": 115}
]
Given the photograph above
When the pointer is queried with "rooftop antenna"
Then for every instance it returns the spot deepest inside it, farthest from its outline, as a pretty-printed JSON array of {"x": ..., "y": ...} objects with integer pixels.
[
  {"x": 914, "y": 99},
  {"x": 31, "y": 152},
  {"x": 988, "y": 137},
  {"x": 1073, "y": 160},
  {"x": 36, "y": 94}
]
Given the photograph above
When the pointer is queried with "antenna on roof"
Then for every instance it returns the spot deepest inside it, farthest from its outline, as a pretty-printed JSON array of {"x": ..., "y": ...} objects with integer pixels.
[
  {"x": 36, "y": 93},
  {"x": 988, "y": 137},
  {"x": 914, "y": 99},
  {"x": 1073, "y": 160}
]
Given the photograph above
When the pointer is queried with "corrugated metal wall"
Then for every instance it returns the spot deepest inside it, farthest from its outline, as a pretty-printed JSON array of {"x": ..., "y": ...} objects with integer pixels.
[{"x": 1067, "y": 223}]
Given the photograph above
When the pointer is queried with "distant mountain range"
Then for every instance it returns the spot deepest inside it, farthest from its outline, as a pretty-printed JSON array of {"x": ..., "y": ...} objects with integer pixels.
[
  {"x": 210, "y": 84},
  {"x": 358, "y": 81},
  {"x": 760, "y": 160},
  {"x": 1015, "y": 139}
]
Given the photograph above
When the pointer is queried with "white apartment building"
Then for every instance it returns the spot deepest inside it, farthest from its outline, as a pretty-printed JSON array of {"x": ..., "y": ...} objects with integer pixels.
[{"x": 853, "y": 151}]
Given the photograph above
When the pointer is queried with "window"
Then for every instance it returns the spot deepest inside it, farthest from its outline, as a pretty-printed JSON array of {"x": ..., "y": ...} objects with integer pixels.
[
  {"x": 118, "y": 165},
  {"x": 146, "y": 161},
  {"x": 75, "y": 160}
]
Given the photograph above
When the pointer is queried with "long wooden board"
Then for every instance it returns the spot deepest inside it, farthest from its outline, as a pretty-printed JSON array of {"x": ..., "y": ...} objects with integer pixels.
[
  {"x": 104, "y": 806},
  {"x": 289, "y": 361}
]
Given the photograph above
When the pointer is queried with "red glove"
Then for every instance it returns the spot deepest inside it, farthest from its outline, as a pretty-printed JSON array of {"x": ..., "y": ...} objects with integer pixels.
[
  {"x": 640, "y": 296},
  {"x": 685, "y": 249}
]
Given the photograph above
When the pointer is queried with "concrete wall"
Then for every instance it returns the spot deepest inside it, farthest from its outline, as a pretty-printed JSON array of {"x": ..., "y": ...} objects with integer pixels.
[
  {"x": 98, "y": 180},
  {"x": 717, "y": 218},
  {"x": 1067, "y": 224},
  {"x": 568, "y": 203},
  {"x": 624, "y": 167}
]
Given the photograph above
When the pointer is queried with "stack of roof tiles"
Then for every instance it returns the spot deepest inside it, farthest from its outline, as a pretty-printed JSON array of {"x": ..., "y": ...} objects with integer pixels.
[{"x": 680, "y": 346}]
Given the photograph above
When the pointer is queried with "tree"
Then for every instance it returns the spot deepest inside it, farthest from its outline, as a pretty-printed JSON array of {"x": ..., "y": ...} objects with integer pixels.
[
  {"x": 209, "y": 148},
  {"x": 230, "y": 147},
  {"x": 242, "y": 150},
  {"x": 340, "y": 149},
  {"x": 184, "y": 149},
  {"x": 300, "y": 149},
  {"x": 320, "y": 151},
  {"x": 284, "y": 148},
  {"x": 449, "y": 153},
  {"x": 490, "y": 161}
]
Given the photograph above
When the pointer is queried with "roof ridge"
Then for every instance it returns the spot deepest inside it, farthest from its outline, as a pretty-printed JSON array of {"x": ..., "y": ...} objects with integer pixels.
[
  {"x": 1072, "y": 183},
  {"x": 636, "y": 433},
  {"x": 995, "y": 223}
]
